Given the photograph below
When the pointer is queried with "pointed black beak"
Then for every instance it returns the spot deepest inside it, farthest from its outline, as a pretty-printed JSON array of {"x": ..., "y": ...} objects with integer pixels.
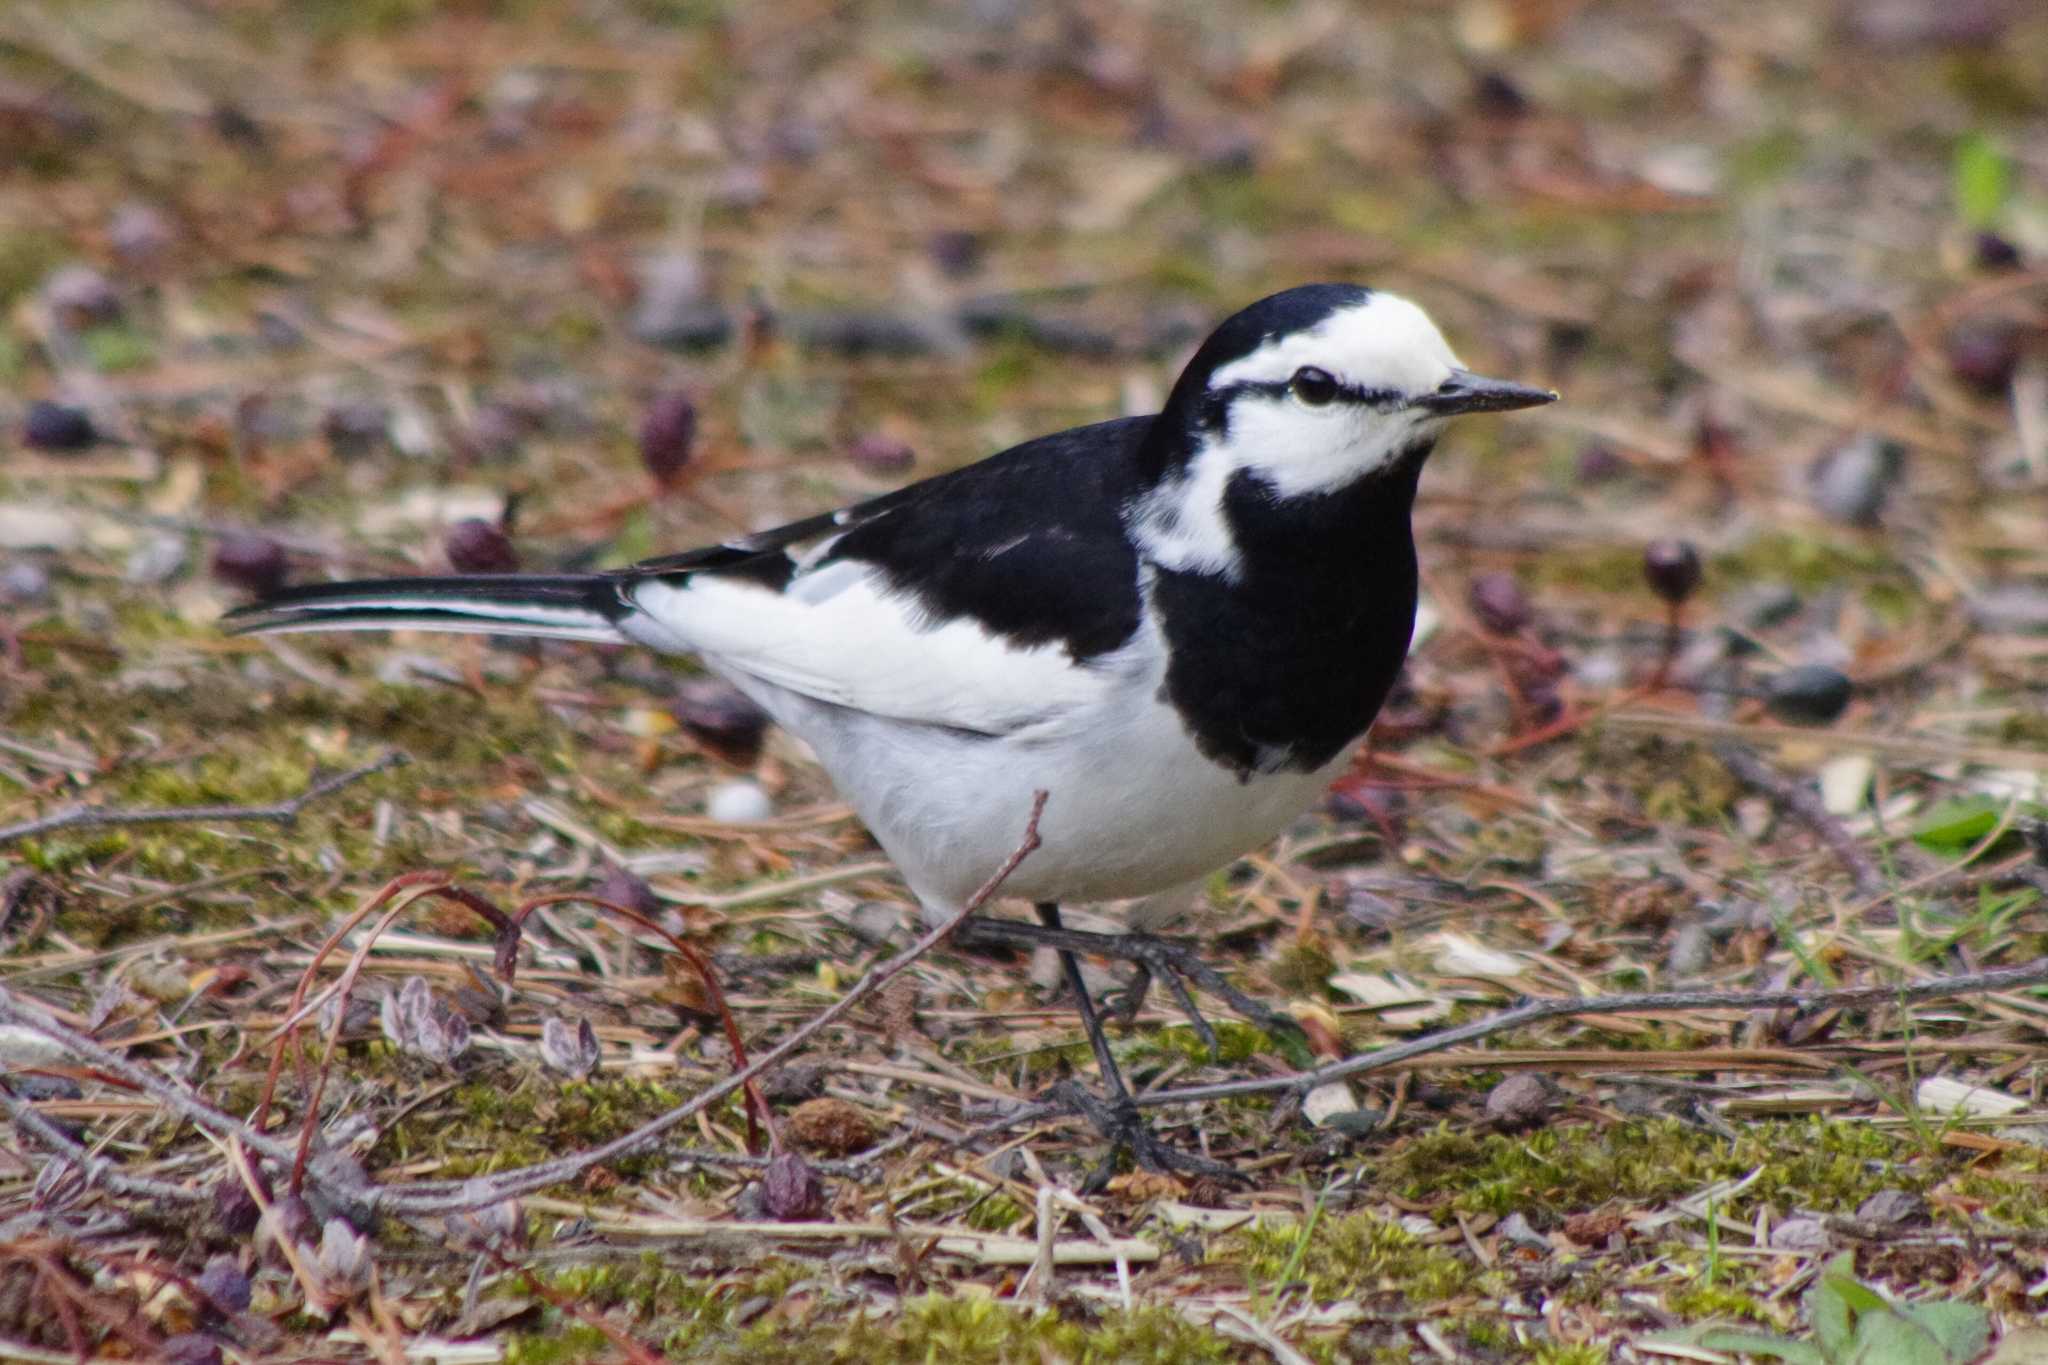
[{"x": 1465, "y": 391}]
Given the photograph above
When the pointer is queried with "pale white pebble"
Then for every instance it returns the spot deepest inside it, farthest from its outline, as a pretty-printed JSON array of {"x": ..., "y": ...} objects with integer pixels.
[
  {"x": 738, "y": 803},
  {"x": 1325, "y": 1102}
]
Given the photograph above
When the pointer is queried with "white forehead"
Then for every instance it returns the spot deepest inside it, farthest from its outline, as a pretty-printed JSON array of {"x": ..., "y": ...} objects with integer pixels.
[{"x": 1386, "y": 342}]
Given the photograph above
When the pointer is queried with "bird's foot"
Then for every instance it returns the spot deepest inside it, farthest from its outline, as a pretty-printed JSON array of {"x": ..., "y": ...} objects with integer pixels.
[
  {"x": 1173, "y": 961},
  {"x": 1126, "y": 1130}
]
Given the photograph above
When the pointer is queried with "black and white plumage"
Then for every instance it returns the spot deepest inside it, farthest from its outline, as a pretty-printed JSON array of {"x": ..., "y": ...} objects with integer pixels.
[{"x": 1175, "y": 625}]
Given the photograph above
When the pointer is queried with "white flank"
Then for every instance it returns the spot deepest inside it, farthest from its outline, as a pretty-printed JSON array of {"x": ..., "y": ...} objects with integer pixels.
[{"x": 840, "y": 636}]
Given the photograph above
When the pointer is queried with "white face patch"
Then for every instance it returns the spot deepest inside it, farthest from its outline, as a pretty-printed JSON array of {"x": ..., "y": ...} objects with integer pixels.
[{"x": 1385, "y": 344}]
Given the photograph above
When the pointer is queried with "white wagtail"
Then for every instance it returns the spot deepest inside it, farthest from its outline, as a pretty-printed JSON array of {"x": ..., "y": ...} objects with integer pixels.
[{"x": 1174, "y": 625}]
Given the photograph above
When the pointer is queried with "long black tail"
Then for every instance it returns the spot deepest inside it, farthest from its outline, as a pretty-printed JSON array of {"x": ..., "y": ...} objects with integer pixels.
[{"x": 565, "y": 606}]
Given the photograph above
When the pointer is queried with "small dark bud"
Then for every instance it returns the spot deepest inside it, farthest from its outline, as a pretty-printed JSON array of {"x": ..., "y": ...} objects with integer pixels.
[
  {"x": 1497, "y": 96},
  {"x": 880, "y": 454},
  {"x": 1520, "y": 1101},
  {"x": 294, "y": 1220},
  {"x": 225, "y": 1285},
  {"x": 54, "y": 426},
  {"x": 1983, "y": 355},
  {"x": 668, "y": 436},
  {"x": 955, "y": 251},
  {"x": 253, "y": 563},
  {"x": 234, "y": 1208},
  {"x": 1994, "y": 252},
  {"x": 1498, "y": 601},
  {"x": 478, "y": 546},
  {"x": 1811, "y": 694},
  {"x": 622, "y": 887},
  {"x": 791, "y": 1191},
  {"x": 1672, "y": 569},
  {"x": 1599, "y": 462},
  {"x": 722, "y": 719}
]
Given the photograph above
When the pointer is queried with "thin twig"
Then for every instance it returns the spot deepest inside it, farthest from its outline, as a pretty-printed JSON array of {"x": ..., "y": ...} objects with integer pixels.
[
  {"x": 280, "y": 813},
  {"x": 1808, "y": 809},
  {"x": 1301, "y": 1082},
  {"x": 1939, "y": 988},
  {"x": 444, "y": 1197},
  {"x": 32, "y": 1015},
  {"x": 97, "y": 1170}
]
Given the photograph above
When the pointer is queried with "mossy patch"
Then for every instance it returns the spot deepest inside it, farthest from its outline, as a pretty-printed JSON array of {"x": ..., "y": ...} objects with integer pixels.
[
  {"x": 1357, "y": 1256},
  {"x": 1817, "y": 1164}
]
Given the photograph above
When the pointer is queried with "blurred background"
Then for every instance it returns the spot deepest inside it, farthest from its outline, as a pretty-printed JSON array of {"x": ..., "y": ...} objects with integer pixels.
[{"x": 297, "y": 288}]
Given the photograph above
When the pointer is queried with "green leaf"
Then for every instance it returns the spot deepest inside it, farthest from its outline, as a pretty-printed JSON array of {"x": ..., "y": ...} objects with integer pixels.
[
  {"x": 1827, "y": 1308},
  {"x": 1963, "y": 1330},
  {"x": 1752, "y": 1343},
  {"x": 114, "y": 346},
  {"x": 1952, "y": 826},
  {"x": 1983, "y": 180}
]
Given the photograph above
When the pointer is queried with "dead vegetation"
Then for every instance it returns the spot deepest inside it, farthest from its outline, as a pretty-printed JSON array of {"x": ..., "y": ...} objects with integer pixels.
[{"x": 294, "y": 289}]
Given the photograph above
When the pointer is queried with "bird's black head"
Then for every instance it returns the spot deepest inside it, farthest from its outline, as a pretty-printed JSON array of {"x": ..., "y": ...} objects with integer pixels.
[{"x": 1304, "y": 392}]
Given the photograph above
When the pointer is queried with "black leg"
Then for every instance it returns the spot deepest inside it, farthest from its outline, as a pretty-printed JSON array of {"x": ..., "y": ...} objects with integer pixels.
[
  {"x": 1118, "y": 1120},
  {"x": 1112, "y": 1079}
]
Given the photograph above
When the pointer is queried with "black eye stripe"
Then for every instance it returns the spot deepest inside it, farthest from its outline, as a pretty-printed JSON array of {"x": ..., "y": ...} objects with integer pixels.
[{"x": 1282, "y": 388}]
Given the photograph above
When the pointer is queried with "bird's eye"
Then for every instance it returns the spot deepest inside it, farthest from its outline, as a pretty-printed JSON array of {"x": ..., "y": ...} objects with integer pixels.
[{"x": 1313, "y": 386}]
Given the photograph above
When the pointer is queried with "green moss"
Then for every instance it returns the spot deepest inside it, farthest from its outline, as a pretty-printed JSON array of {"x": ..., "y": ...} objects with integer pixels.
[
  {"x": 508, "y": 1119},
  {"x": 1348, "y": 1258},
  {"x": 691, "y": 1315},
  {"x": 1708, "y": 1302},
  {"x": 1814, "y": 1164},
  {"x": 1236, "y": 1042}
]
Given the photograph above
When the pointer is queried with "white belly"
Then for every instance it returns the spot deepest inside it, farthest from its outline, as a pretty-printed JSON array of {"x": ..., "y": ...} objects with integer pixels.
[{"x": 1132, "y": 807}]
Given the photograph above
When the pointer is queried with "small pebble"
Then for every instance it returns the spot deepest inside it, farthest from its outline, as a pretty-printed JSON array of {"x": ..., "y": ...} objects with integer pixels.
[
  {"x": 1520, "y": 1101},
  {"x": 81, "y": 295},
  {"x": 1799, "y": 1234},
  {"x": 1810, "y": 694},
  {"x": 356, "y": 427},
  {"x": 674, "y": 307},
  {"x": 1850, "y": 483},
  {"x": 738, "y": 803},
  {"x": 139, "y": 234},
  {"x": 1893, "y": 1207},
  {"x": 24, "y": 581},
  {"x": 156, "y": 559}
]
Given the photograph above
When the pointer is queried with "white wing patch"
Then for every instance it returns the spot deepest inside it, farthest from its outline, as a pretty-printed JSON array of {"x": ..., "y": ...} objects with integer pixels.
[{"x": 840, "y": 636}]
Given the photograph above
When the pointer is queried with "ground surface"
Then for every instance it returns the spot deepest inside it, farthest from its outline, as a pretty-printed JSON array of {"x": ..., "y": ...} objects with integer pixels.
[{"x": 342, "y": 276}]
